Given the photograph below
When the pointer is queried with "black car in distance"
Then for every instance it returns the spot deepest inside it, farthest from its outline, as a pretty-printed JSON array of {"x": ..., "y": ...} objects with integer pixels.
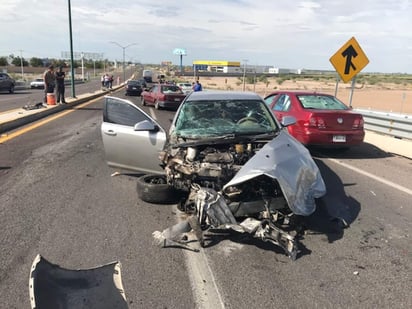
[{"x": 134, "y": 87}]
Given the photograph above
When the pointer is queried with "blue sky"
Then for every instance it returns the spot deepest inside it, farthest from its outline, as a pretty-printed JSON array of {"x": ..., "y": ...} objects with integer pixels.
[{"x": 279, "y": 33}]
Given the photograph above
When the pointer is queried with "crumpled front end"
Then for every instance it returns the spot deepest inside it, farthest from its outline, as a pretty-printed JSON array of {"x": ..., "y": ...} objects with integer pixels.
[
  {"x": 278, "y": 182},
  {"x": 287, "y": 161}
]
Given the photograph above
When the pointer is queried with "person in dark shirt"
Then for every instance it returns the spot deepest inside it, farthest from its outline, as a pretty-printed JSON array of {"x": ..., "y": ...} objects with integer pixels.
[
  {"x": 60, "y": 75},
  {"x": 49, "y": 82}
]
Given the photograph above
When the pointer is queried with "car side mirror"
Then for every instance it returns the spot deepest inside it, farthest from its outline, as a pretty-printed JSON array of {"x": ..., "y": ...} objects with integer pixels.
[
  {"x": 288, "y": 121},
  {"x": 146, "y": 125}
]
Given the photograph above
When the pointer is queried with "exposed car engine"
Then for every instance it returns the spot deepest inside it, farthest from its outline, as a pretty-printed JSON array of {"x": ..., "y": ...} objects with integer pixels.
[
  {"x": 207, "y": 166},
  {"x": 214, "y": 166}
]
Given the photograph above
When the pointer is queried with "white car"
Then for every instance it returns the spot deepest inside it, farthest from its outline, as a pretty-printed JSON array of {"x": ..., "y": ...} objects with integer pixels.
[
  {"x": 186, "y": 87},
  {"x": 226, "y": 162},
  {"x": 38, "y": 83}
]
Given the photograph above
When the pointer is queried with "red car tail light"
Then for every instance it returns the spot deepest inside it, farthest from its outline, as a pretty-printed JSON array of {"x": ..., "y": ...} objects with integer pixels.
[
  {"x": 357, "y": 123},
  {"x": 316, "y": 122}
]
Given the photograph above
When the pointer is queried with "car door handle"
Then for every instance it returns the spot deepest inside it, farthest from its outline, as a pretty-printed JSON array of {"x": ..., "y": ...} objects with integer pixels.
[{"x": 110, "y": 132}]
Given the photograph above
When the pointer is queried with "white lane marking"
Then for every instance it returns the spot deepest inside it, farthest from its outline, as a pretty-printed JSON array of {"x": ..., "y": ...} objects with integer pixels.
[
  {"x": 152, "y": 113},
  {"x": 205, "y": 291},
  {"x": 384, "y": 181}
]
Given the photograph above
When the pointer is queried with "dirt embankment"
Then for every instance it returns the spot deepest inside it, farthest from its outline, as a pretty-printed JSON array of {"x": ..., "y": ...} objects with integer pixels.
[{"x": 383, "y": 97}]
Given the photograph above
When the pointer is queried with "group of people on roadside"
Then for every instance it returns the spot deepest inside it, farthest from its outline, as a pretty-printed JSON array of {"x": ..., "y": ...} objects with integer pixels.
[
  {"x": 107, "y": 80},
  {"x": 54, "y": 80}
]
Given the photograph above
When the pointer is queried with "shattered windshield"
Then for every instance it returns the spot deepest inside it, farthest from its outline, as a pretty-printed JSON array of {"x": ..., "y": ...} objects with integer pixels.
[
  {"x": 321, "y": 102},
  {"x": 206, "y": 119}
]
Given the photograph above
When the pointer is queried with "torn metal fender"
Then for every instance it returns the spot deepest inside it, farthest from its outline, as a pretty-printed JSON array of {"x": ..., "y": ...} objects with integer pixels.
[
  {"x": 52, "y": 286},
  {"x": 290, "y": 163}
]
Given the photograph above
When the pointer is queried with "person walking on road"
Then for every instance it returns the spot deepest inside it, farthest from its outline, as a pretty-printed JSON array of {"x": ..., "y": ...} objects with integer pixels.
[
  {"x": 60, "y": 75},
  {"x": 49, "y": 82}
]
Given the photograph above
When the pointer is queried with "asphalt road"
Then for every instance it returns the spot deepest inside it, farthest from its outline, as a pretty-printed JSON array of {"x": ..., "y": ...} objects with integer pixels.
[{"x": 58, "y": 198}]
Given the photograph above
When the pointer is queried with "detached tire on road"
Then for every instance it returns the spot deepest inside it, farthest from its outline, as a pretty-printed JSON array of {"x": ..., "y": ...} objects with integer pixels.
[{"x": 154, "y": 189}]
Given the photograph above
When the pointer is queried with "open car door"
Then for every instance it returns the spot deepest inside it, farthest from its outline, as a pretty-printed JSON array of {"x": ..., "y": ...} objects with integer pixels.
[{"x": 131, "y": 138}]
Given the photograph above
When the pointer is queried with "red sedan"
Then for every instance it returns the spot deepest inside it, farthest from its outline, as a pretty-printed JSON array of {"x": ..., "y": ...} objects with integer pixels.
[
  {"x": 163, "y": 96},
  {"x": 321, "y": 119}
]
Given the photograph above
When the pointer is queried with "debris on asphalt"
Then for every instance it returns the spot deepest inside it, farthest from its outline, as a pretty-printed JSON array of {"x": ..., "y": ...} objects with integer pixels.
[{"x": 34, "y": 106}]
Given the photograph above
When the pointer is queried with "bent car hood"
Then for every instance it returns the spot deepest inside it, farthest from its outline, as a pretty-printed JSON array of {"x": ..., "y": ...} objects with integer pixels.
[{"x": 291, "y": 164}]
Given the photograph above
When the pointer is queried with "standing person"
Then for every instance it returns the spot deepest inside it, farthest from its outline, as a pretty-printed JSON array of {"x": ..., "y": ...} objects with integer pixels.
[
  {"x": 198, "y": 86},
  {"x": 111, "y": 78},
  {"x": 102, "y": 80},
  {"x": 60, "y": 75},
  {"x": 49, "y": 82},
  {"x": 106, "y": 80}
]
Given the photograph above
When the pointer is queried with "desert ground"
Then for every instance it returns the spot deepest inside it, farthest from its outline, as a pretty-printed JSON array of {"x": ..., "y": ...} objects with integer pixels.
[{"x": 394, "y": 98}]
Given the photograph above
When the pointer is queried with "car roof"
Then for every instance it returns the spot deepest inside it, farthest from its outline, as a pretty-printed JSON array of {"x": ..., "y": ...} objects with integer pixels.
[
  {"x": 299, "y": 92},
  {"x": 222, "y": 95}
]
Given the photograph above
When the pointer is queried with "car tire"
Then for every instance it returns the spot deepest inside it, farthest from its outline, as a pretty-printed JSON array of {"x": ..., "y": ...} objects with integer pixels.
[
  {"x": 11, "y": 90},
  {"x": 154, "y": 189}
]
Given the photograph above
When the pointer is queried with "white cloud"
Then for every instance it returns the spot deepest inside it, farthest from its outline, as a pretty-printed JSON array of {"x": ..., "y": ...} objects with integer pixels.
[{"x": 281, "y": 33}]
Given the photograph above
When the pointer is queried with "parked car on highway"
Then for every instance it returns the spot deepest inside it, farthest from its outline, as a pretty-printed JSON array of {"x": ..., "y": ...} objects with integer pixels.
[
  {"x": 163, "y": 96},
  {"x": 134, "y": 87},
  {"x": 321, "y": 119},
  {"x": 7, "y": 83},
  {"x": 226, "y": 161},
  {"x": 38, "y": 83},
  {"x": 186, "y": 87}
]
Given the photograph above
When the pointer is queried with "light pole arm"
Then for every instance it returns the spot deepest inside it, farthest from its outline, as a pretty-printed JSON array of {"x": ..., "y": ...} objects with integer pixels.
[{"x": 124, "y": 50}]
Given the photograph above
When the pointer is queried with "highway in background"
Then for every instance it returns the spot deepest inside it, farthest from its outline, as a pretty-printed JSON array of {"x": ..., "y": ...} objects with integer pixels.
[
  {"x": 22, "y": 97},
  {"x": 58, "y": 198}
]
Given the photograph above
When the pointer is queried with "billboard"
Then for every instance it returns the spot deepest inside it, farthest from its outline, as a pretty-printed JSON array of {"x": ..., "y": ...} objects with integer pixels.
[{"x": 80, "y": 55}]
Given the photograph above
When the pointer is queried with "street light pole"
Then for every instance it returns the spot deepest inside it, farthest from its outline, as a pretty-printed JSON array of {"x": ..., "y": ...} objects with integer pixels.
[
  {"x": 21, "y": 63},
  {"x": 124, "y": 51},
  {"x": 244, "y": 73},
  {"x": 71, "y": 51}
]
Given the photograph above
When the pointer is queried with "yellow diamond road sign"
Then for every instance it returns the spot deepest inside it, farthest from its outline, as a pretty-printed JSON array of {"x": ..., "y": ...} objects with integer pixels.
[{"x": 349, "y": 60}]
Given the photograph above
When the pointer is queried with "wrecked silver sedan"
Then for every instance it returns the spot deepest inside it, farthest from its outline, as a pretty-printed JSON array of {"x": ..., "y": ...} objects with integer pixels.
[{"x": 225, "y": 161}]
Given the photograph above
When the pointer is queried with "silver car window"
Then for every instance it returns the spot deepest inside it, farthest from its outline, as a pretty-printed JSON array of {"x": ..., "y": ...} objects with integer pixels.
[{"x": 121, "y": 113}]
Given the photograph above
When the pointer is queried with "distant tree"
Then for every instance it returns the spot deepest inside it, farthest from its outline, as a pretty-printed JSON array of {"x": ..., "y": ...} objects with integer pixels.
[
  {"x": 99, "y": 64},
  {"x": 59, "y": 63},
  {"x": 36, "y": 62},
  {"x": 17, "y": 61},
  {"x": 3, "y": 61},
  {"x": 263, "y": 78}
]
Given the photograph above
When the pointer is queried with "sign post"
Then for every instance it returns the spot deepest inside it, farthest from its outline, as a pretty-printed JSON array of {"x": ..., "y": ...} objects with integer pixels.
[{"x": 348, "y": 61}]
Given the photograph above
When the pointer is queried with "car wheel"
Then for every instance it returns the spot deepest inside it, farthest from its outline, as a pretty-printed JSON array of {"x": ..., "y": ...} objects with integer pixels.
[
  {"x": 154, "y": 189},
  {"x": 11, "y": 90}
]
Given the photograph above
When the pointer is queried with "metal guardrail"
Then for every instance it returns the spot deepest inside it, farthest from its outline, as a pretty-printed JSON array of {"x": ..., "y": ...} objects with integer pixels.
[{"x": 396, "y": 125}]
